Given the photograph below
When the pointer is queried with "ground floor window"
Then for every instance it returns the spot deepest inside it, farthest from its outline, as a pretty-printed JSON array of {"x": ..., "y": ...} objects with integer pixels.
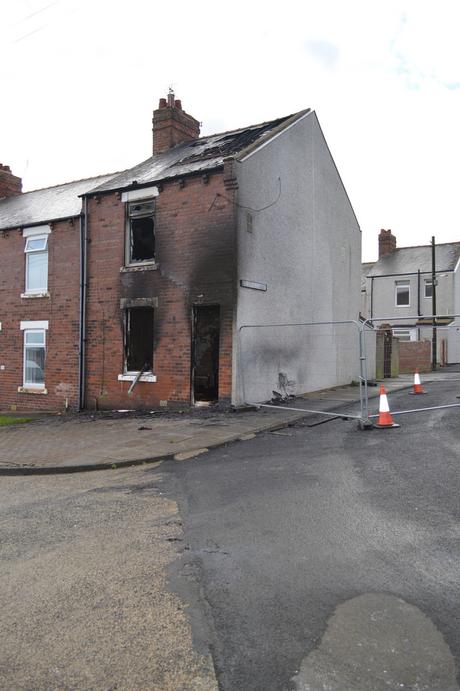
[
  {"x": 34, "y": 357},
  {"x": 139, "y": 339},
  {"x": 405, "y": 334}
]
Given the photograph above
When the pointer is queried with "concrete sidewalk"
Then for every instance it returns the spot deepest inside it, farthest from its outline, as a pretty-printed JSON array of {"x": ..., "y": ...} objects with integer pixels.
[{"x": 85, "y": 442}]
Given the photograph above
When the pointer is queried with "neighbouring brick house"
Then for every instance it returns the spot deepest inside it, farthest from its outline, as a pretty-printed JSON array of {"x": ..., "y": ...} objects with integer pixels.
[
  {"x": 40, "y": 287},
  {"x": 398, "y": 288},
  {"x": 150, "y": 273}
]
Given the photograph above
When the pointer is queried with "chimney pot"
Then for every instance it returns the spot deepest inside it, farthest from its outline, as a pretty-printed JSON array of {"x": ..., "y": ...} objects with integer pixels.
[
  {"x": 387, "y": 242},
  {"x": 10, "y": 184},
  {"x": 172, "y": 125}
]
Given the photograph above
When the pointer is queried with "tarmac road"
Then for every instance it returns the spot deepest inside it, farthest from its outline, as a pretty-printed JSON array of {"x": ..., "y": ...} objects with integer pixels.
[{"x": 329, "y": 557}]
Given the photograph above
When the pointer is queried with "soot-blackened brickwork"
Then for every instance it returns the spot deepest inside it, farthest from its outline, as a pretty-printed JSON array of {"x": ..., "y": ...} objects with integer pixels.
[{"x": 195, "y": 264}]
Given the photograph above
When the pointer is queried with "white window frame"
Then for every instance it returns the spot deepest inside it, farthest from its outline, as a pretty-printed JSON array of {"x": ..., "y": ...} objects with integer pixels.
[
  {"x": 405, "y": 285},
  {"x": 428, "y": 282},
  {"x": 26, "y": 384},
  {"x": 411, "y": 333},
  {"x": 30, "y": 234}
]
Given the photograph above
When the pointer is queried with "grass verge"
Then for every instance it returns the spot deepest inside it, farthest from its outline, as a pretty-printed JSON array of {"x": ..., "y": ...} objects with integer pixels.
[{"x": 7, "y": 420}]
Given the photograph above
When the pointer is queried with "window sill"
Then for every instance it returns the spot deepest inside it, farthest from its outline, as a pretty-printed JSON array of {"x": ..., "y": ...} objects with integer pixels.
[
  {"x": 32, "y": 389},
  {"x": 144, "y": 377},
  {"x": 148, "y": 266},
  {"x": 35, "y": 295}
]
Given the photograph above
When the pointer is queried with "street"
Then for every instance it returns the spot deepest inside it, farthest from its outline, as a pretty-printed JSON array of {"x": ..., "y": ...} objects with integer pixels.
[
  {"x": 307, "y": 558},
  {"x": 294, "y": 524}
]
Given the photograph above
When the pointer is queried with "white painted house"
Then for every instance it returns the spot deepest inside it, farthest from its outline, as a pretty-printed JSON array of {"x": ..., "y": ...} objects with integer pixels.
[
  {"x": 399, "y": 285},
  {"x": 299, "y": 254}
]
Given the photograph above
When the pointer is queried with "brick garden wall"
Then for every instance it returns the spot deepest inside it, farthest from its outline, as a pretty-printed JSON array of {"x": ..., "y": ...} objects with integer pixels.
[
  {"x": 414, "y": 354},
  {"x": 195, "y": 235},
  {"x": 60, "y": 309}
]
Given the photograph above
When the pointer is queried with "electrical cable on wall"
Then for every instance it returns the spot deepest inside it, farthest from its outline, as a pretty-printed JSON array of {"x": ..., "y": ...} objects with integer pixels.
[{"x": 249, "y": 208}]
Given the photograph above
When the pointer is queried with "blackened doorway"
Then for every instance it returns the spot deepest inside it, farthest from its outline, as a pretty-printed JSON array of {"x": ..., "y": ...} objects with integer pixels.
[{"x": 205, "y": 353}]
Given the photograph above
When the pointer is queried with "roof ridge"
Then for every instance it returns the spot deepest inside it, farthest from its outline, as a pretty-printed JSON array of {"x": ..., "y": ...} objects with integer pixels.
[
  {"x": 72, "y": 182},
  {"x": 247, "y": 127},
  {"x": 413, "y": 247}
]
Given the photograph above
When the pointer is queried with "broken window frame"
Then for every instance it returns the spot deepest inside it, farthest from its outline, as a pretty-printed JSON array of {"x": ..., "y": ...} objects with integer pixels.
[
  {"x": 40, "y": 250},
  {"x": 145, "y": 210},
  {"x": 127, "y": 333}
]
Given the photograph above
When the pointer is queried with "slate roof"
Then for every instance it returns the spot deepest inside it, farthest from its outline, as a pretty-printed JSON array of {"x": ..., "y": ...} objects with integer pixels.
[
  {"x": 48, "y": 204},
  {"x": 206, "y": 153},
  {"x": 199, "y": 155},
  {"x": 365, "y": 268},
  {"x": 404, "y": 260}
]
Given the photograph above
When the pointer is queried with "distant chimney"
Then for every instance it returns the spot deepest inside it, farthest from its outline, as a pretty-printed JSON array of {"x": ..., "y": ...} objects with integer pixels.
[
  {"x": 9, "y": 183},
  {"x": 172, "y": 125},
  {"x": 387, "y": 243}
]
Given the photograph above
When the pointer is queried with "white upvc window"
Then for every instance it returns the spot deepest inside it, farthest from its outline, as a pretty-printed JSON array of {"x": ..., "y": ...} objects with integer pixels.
[
  {"x": 428, "y": 288},
  {"x": 36, "y": 251},
  {"x": 405, "y": 334},
  {"x": 402, "y": 293},
  {"x": 34, "y": 358}
]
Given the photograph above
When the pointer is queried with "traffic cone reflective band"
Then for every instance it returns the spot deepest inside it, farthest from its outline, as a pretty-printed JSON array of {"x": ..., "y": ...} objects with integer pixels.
[
  {"x": 385, "y": 418},
  {"x": 417, "y": 384}
]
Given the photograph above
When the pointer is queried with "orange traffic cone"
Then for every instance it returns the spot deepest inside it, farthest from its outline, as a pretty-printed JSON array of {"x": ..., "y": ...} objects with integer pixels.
[
  {"x": 417, "y": 384},
  {"x": 385, "y": 418}
]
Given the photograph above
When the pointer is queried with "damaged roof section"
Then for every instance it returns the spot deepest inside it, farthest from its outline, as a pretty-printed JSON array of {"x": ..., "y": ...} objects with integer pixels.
[
  {"x": 198, "y": 155},
  {"x": 195, "y": 156},
  {"x": 48, "y": 204}
]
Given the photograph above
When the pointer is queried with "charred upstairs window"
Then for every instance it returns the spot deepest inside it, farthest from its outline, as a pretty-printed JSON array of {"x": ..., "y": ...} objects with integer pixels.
[
  {"x": 141, "y": 232},
  {"x": 139, "y": 339}
]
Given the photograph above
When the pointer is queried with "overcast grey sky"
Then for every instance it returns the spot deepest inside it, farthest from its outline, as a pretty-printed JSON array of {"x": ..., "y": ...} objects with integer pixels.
[{"x": 80, "y": 78}]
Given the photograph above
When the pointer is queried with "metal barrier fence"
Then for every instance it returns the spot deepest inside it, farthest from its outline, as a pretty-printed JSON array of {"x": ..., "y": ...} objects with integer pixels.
[{"x": 309, "y": 356}]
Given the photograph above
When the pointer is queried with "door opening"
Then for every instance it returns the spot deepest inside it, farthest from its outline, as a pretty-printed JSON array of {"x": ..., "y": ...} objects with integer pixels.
[
  {"x": 205, "y": 353},
  {"x": 387, "y": 348}
]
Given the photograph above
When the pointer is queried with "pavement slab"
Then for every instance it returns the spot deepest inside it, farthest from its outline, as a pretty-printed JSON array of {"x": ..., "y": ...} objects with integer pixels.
[
  {"x": 84, "y": 442},
  {"x": 85, "y": 586}
]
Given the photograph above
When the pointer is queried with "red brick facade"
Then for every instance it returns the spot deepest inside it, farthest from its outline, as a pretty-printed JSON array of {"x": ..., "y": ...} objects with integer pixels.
[
  {"x": 195, "y": 265},
  {"x": 60, "y": 309}
]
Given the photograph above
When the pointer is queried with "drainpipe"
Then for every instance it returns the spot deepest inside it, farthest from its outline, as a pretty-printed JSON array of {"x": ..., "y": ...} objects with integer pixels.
[
  {"x": 372, "y": 296},
  {"x": 433, "y": 301},
  {"x": 419, "y": 313},
  {"x": 418, "y": 294},
  {"x": 82, "y": 325}
]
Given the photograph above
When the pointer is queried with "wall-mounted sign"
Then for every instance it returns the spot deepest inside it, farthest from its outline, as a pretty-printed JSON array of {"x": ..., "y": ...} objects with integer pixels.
[{"x": 253, "y": 284}]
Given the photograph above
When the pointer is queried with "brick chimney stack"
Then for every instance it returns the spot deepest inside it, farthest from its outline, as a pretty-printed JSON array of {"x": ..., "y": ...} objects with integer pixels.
[
  {"x": 9, "y": 183},
  {"x": 172, "y": 125},
  {"x": 387, "y": 243}
]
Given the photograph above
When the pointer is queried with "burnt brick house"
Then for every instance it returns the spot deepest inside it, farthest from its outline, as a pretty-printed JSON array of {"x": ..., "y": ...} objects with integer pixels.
[{"x": 152, "y": 272}]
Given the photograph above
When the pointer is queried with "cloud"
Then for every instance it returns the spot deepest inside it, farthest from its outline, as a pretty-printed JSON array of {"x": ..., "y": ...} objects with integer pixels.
[{"x": 324, "y": 52}]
